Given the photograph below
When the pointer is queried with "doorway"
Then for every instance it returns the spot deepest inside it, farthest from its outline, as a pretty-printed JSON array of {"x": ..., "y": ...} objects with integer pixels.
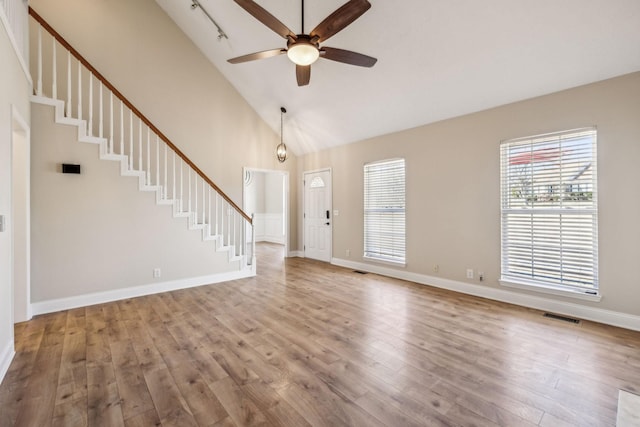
[
  {"x": 21, "y": 220},
  {"x": 318, "y": 216},
  {"x": 265, "y": 195}
]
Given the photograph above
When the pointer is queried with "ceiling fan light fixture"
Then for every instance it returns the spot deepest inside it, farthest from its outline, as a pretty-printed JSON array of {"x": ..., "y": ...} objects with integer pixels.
[{"x": 303, "y": 52}]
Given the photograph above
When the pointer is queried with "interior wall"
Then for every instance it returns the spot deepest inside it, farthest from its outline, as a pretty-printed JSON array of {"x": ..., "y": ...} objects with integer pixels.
[
  {"x": 274, "y": 194},
  {"x": 453, "y": 186},
  {"x": 152, "y": 62},
  {"x": 255, "y": 196},
  {"x": 14, "y": 94},
  {"x": 97, "y": 232}
]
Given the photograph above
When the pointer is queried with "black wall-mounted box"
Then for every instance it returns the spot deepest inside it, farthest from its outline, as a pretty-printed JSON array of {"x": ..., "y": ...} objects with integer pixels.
[{"x": 68, "y": 168}]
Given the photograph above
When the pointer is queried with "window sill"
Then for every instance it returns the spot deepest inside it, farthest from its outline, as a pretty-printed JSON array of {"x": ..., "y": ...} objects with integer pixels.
[
  {"x": 385, "y": 261},
  {"x": 551, "y": 290}
]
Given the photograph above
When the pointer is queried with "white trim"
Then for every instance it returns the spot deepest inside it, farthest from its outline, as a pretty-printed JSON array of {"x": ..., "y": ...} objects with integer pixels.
[
  {"x": 550, "y": 290},
  {"x": 12, "y": 39},
  {"x": 6, "y": 357},
  {"x": 369, "y": 258},
  {"x": 294, "y": 254},
  {"x": 60, "y": 304},
  {"x": 609, "y": 317},
  {"x": 16, "y": 118}
]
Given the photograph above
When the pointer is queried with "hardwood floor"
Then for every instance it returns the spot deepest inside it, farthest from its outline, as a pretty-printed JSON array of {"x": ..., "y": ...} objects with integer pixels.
[{"x": 305, "y": 343}]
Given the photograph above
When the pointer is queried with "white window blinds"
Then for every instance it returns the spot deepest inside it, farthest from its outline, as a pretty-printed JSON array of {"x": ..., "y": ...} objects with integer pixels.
[
  {"x": 549, "y": 211},
  {"x": 384, "y": 210}
]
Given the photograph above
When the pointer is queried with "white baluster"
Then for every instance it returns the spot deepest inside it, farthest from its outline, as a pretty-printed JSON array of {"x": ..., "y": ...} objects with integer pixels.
[
  {"x": 173, "y": 177},
  {"x": 195, "y": 208},
  {"x": 79, "y": 91},
  {"x": 216, "y": 217},
  {"x": 235, "y": 242},
  {"x": 130, "y": 140},
  {"x": 165, "y": 172},
  {"x": 110, "y": 122},
  {"x": 148, "y": 169},
  {"x": 140, "y": 144},
  {"x": 54, "y": 60},
  {"x": 100, "y": 113},
  {"x": 121, "y": 152},
  {"x": 90, "y": 125},
  {"x": 209, "y": 194},
  {"x": 39, "y": 84},
  {"x": 68, "y": 84},
  {"x": 222, "y": 215},
  {"x": 181, "y": 186},
  {"x": 157, "y": 161},
  {"x": 204, "y": 198},
  {"x": 189, "y": 191}
]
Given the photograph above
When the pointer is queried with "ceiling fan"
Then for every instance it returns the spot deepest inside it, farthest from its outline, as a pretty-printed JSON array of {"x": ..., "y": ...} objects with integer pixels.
[{"x": 304, "y": 49}]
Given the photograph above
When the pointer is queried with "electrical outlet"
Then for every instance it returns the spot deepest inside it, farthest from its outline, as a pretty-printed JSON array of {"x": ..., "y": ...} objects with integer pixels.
[
  {"x": 436, "y": 268},
  {"x": 348, "y": 253},
  {"x": 157, "y": 273},
  {"x": 480, "y": 276},
  {"x": 469, "y": 273}
]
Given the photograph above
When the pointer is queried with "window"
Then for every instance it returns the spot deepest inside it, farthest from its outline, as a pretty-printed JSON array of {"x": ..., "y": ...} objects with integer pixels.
[
  {"x": 317, "y": 182},
  {"x": 549, "y": 211},
  {"x": 384, "y": 211}
]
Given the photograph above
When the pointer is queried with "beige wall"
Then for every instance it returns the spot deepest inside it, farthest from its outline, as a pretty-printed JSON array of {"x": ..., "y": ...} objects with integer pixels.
[
  {"x": 14, "y": 93},
  {"x": 453, "y": 209},
  {"x": 145, "y": 55},
  {"x": 96, "y": 232}
]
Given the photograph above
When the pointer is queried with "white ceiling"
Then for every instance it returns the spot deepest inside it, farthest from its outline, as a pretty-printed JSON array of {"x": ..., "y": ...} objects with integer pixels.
[{"x": 437, "y": 59}]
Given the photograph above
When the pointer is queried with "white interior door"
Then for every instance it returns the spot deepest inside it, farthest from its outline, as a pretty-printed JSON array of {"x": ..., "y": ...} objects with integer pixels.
[{"x": 317, "y": 215}]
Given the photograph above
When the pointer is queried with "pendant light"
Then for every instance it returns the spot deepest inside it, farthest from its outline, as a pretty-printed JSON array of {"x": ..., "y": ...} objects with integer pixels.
[{"x": 281, "y": 149}]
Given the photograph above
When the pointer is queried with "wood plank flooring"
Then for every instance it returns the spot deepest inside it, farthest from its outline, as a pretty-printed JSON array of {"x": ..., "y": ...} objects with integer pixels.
[{"x": 310, "y": 344}]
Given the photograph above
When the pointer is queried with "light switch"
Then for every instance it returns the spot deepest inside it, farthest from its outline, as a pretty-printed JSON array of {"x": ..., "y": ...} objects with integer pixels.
[{"x": 336, "y": 212}]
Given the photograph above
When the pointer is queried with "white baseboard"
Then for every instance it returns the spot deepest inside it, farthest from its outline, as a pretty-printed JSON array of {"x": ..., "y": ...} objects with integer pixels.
[
  {"x": 270, "y": 239},
  {"x": 293, "y": 254},
  {"x": 6, "y": 356},
  {"x": 608, "y": 317},
  {"x": 60, "y": 304}
]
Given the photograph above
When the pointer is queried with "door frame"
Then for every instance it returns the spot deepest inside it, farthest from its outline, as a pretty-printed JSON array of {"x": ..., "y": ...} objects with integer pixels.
[
  {"x": 21, "y": 217},
  {"x": 304, "y": 204},
  {"x": 286, "y": 214}
]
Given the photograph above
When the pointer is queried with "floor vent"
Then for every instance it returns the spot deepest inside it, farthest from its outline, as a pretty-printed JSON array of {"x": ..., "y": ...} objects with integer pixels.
[
  {"x": 359, "y": 272},
  {"x": 560, "y": 317}
]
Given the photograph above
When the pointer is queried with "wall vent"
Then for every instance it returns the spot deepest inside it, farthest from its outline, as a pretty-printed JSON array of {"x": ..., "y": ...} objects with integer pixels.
[{"x": 561, "y": 317}]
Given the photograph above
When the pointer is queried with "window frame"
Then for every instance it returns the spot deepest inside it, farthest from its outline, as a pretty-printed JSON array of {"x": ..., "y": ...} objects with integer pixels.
[
  {"x": 374, "y": 249},
  {"x": 565, "y": 209}
]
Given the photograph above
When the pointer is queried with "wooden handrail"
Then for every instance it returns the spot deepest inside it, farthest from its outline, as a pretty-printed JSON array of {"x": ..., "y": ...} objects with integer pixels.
[{"x": 137, "y": 112}]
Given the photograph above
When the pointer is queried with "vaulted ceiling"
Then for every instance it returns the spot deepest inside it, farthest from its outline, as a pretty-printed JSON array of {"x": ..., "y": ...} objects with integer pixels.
[{"x": 437, "y": 59}]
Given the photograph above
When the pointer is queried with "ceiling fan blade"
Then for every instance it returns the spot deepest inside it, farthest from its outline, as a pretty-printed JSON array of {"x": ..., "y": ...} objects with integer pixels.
[
  {"x": 347, "y": 56},
  {"x": 338, "y": 20},
  {"x": 303, "y": 74},
  {"x": 266, "y": 18},
  {"x": 257, "y": 55}
]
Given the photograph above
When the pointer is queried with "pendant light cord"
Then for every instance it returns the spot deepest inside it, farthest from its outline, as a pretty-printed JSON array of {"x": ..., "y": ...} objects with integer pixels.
[{"x": 282, "y": 111}]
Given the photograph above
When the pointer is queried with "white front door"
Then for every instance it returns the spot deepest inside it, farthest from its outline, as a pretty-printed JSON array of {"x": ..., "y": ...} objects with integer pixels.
[{"x": 317, "y": 215}]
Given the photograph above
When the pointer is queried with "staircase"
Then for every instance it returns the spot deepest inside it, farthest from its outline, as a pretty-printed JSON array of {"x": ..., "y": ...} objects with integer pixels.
[{"x": 83, "y": 98}]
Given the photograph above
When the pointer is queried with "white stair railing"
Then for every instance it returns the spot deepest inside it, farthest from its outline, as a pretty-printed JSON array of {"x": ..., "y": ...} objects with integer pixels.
[{"x": 128, "y": 136}]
